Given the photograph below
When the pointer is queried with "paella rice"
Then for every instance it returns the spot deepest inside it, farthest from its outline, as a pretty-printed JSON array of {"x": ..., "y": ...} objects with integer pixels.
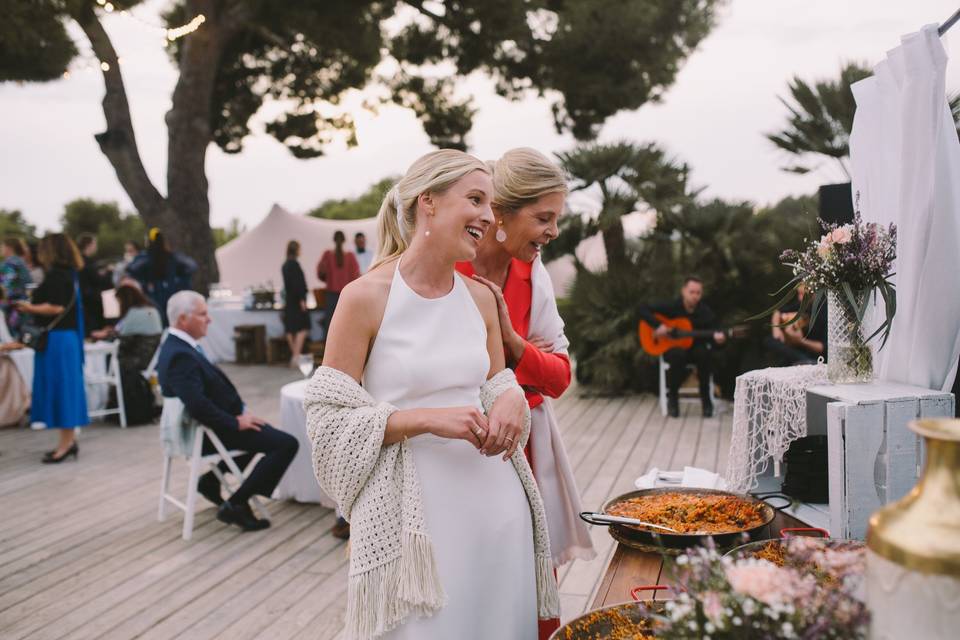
[
  {"x": 692, "y": 513},
  {"x": 621, "y": 627}
]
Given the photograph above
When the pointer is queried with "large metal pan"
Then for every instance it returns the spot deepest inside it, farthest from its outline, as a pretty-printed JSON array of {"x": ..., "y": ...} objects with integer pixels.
[
  {"x": 590, "y": 626},
  {"x": 632, "y": 536},
  {"x": 747, "y": 550}
]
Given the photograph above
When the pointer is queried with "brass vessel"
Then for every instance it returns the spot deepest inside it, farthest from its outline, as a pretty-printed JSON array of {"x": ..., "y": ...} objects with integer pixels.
[{"x": 921, "y": 532}]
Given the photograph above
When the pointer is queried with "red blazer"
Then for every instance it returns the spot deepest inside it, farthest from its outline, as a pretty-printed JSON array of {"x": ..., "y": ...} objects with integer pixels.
[{"x": 540, "y": 374}]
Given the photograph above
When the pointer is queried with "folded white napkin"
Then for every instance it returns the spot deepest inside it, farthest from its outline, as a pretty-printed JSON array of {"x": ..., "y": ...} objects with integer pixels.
[{"x": 689, "y": 477}]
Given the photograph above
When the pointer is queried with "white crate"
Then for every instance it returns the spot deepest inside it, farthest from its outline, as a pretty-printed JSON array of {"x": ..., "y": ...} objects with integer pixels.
[{"x": 873, "y": 457}]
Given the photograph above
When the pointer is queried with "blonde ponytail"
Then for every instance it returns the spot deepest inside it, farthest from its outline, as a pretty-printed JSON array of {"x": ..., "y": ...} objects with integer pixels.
[
  {"x": 393, "y": 238},
  {"x": 434, "y": 172}
]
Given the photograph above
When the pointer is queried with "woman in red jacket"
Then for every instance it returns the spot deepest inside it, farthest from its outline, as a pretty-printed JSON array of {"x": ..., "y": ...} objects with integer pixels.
[{"x": 529, "y": 195}]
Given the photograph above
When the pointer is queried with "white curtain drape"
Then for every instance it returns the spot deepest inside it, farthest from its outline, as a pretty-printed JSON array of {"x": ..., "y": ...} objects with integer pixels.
[{"x": 905, "y": 161}]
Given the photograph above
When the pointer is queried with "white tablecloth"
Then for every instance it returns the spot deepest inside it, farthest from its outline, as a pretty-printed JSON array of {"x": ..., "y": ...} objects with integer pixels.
[
  {"x": 23, "y": 359},
  {"x": 219, "y": 345},
  {"x": 298, "y": 483},
  {"x": 769, "y": 412},
  {"x": 96, "y": 362}
]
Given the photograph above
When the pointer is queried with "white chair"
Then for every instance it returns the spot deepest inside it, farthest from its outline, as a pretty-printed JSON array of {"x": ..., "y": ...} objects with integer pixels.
[
  {"x": 111, "y": 377},
  {"x": 199, "y": 464},
  {"x": 685, "y": 394},
  {"x": 150, "y": 373}
]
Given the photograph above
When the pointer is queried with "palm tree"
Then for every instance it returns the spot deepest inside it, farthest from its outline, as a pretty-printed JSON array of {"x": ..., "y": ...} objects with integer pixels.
[
  {"x": 821, "y": 117},
  {"x": 629, "y": 177}
]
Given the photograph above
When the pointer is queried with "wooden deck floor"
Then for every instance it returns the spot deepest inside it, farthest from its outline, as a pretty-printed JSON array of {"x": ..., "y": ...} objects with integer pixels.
[{"x": 83, "y": 556}]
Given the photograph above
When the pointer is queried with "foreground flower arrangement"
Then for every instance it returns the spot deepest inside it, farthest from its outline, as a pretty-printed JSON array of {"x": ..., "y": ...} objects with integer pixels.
[{"x": 816, "y": 594}]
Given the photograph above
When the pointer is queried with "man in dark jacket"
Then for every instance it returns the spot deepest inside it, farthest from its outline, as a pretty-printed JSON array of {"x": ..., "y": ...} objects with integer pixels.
[
  {"x": 689, "y": 306},
  {"x": 212, "y": 400}
]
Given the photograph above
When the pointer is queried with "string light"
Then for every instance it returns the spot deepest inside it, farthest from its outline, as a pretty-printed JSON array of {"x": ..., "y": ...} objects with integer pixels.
[
  {"x": 190, "y": 27},
  {"x": 169, "y": 34},
  {"x": 88, "y": 60}
]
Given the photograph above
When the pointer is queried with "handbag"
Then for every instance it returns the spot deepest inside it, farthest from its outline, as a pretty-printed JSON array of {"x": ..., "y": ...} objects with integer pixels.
[{"x": 35, "y": 336}]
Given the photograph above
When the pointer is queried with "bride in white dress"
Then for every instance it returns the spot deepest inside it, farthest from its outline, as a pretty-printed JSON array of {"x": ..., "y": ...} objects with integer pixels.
[{"x": 425, "y": 339}]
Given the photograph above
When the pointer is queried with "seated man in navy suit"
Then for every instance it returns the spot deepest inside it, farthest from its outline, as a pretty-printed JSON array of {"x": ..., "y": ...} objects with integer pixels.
[{"x": 213, "y": 401}]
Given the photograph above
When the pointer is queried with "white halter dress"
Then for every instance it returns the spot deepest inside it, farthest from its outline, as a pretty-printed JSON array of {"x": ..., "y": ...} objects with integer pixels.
[{"x": 431, "y": 353}]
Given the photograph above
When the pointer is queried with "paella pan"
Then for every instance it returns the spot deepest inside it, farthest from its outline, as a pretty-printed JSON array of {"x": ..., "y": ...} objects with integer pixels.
[
  {"x": 627, "y": 621},
  {"x": 676, "y": 518}
]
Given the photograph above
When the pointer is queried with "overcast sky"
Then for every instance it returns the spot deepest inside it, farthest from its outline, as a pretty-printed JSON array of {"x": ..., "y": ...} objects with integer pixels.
[{"x": 713, "y": 118}]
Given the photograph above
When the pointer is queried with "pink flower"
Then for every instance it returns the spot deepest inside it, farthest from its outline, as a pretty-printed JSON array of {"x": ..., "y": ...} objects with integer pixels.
[
  {"x": 712, "y": 606},
  {"x": 768, "y": 583},
  {"x": 840, "y": 235}
]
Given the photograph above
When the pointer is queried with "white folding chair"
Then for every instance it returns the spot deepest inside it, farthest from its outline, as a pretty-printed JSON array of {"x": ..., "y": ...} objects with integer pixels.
[
  {"x": 110, "y": 378},
  {"x": 150, "y": 373},
  {"x": 198, "y": 465},
  {"x": 685, "y": 394}
]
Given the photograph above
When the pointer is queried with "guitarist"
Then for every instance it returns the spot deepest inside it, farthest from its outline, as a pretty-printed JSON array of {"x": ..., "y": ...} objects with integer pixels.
[
  {"x": 801, "y": 342},
  {"x": 701, "y": 354}
]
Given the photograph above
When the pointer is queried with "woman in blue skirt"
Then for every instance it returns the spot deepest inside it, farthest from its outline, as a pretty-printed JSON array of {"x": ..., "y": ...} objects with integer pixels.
[{"x": 59, "y": 397}]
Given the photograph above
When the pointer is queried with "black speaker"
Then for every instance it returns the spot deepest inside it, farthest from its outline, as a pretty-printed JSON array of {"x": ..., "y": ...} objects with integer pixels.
[
  {"x": 836, "y": 203},
  {"x": 805, "y": 477}
]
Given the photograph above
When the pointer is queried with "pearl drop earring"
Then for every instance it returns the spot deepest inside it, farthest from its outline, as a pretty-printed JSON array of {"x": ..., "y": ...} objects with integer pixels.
[{"x": 501, "y": 234}]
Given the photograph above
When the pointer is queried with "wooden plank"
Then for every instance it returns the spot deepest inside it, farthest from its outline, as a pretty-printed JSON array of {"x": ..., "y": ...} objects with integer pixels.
[
  {"x": 723, "y": 446},
  {"x": 629, "y": 569},
  {"x": 706, "y": 454},
  {"x": 600, "y": 471},
  {"x": 688, "y": 441},
  {"x": 899, "y": 449},
  {"x": 127, "y": 581},
  {"x": 836, "y": 468},
  {"x": 205, "y": 611},
  {"x": 862, "y": 440},
  {"x": 617, "y": 476},
  {"x": 153, "y": 602},
  {"x": 595, "y": 425},
  {"x": 255, "y": 621}
]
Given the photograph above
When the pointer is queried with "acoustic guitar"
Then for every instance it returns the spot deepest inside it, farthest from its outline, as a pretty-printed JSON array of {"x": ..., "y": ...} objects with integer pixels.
[{"x": 681, "y": 336}]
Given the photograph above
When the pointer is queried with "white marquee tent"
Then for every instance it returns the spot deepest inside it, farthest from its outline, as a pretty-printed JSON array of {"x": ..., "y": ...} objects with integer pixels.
[{"x": 256, "y": 256}]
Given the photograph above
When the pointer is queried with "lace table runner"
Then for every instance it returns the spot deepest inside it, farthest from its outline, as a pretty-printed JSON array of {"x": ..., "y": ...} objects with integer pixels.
[{"x": 769, "y": 412}]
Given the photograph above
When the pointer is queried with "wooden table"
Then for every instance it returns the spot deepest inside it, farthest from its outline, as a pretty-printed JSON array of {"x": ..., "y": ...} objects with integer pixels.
[{"x": 631, "y": 568}]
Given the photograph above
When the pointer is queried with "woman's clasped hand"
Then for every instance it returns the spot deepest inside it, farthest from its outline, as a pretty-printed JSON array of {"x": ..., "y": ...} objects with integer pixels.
[{"x": 498, "y": 433}]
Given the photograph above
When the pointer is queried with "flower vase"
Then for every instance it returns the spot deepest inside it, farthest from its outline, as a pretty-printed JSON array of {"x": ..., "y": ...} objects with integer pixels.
[{"x": 849, "y": 357}]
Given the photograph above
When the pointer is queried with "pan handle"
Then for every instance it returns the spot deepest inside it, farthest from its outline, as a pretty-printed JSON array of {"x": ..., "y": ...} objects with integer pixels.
[
  {"x": 590, "y": 517},
  {"x": 784, "y": 533},
  {"x": 635, "y": 592},
  {"x": 774, "y": 494}
]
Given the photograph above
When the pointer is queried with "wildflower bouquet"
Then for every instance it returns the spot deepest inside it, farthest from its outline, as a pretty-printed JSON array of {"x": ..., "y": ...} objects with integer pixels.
[
  {"x": 847, "y": 266},
  {"x": 813, "y": 596}
]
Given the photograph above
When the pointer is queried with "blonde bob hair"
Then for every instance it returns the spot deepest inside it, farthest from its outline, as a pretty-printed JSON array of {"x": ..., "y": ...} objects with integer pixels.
[
  {"x": 522, "y": 176},
  {"x": 435, "y": 172}
]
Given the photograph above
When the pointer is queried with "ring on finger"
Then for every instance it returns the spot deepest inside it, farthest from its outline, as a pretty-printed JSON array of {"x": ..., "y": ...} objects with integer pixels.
[{"x": 510, "y": 440}]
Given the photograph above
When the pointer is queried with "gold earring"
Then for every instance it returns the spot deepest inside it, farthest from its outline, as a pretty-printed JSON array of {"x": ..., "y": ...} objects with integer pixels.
[{"x": 501, "y": 234}]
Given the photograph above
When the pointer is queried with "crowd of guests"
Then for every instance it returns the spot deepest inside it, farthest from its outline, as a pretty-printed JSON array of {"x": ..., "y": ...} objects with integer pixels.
[
  {"x": 337, "y": 268},
  {"x": 51, "y": 299}
]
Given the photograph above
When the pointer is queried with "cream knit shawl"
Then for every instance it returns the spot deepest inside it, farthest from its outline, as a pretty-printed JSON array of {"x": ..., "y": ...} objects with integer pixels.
[{"x": 392, "y": 569}]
